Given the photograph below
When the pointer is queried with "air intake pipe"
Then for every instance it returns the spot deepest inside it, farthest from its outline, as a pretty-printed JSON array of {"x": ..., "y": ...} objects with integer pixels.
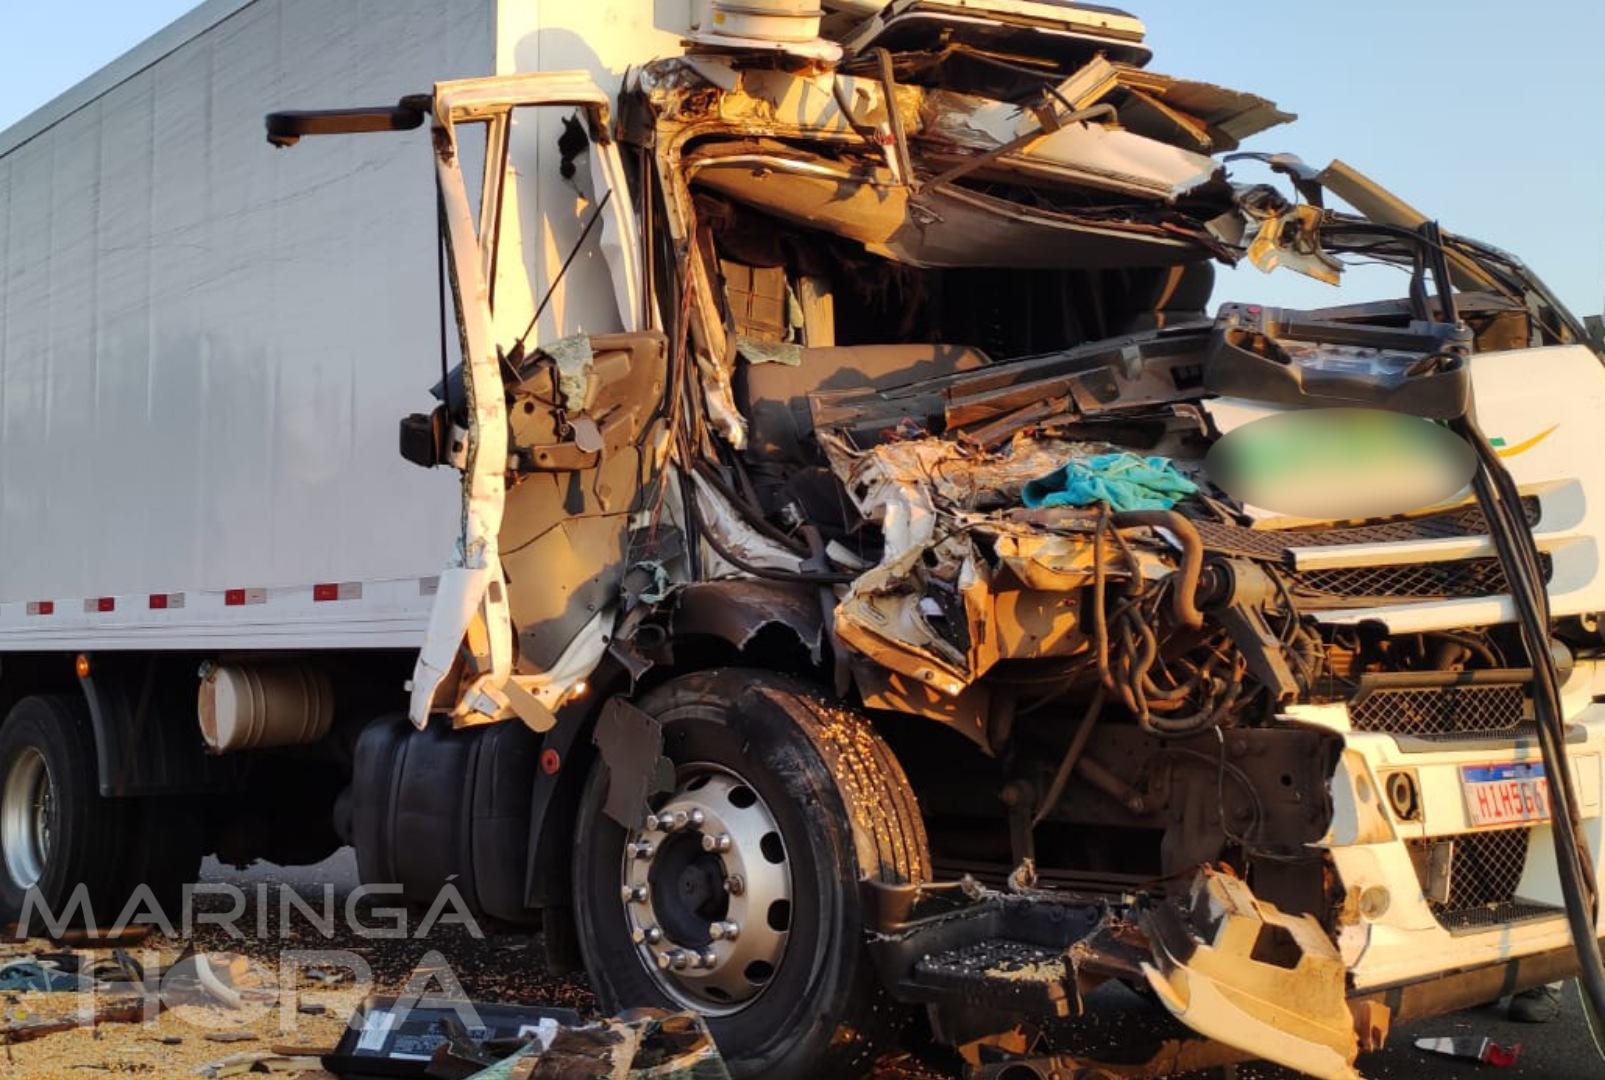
[{"x": 784, "y": 22}]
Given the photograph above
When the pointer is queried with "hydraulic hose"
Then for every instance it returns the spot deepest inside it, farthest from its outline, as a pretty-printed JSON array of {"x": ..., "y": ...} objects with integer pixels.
[{"x": 1518, "y": 554}]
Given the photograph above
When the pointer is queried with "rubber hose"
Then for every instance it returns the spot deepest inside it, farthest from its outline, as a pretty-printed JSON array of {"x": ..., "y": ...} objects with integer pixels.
[
  {"x": 1497, "y": 495},
  {"x": 1185, "y": 594}
]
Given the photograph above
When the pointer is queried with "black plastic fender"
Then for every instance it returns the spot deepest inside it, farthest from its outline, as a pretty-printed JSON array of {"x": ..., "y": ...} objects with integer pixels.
[{"x": 142, "y": 707}]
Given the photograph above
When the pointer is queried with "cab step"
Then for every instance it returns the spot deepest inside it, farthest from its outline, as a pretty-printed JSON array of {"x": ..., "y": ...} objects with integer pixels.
[{"x": 1008, "y": 976}]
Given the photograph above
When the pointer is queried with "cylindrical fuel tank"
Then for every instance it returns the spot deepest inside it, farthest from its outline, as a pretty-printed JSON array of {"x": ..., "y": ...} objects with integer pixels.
[{"x": 257, "y": 706}]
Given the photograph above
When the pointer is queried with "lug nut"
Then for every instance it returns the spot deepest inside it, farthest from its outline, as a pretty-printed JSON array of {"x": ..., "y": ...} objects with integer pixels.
[
  {"x": 710, "y": 959},
  {"x": 633, "y": 894},
  {"x": 664, "y": 961},
  {"x": 676, "y": 821},
  {"x": 650, "y": 824},
  {"x": 698, "y": 818},
  {"x": 720, "y": 843},
  {"x": 680, "y": 959},
  {"x": 653, "y": 935},
  {"x": 643, "y": 849},
  {"x": 734, "y": 885},
  {"x": 724, "y": 931}
]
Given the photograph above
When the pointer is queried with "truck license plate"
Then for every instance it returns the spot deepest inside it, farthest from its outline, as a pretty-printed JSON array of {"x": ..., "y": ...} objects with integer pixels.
[{"x": 1505, "y": 794}]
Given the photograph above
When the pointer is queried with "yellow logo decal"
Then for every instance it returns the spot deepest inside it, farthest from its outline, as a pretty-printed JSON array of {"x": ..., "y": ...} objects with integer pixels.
[{"x": 1522, "y": 447}]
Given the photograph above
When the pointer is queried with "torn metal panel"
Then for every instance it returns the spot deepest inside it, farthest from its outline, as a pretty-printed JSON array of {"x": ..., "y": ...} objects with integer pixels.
[
  {"x": 1238, "y": 970},
  {"x": 1290, "y": 236},
  {"x": 967, "y": 712},
  {"x": 736, "y": 612},
  {"x": 1057, "y": 563},
  {"x": 1214, "y": 118},
  {"x": 926, "y": 614},
  {"x": 827, "y": 105},
  {"x": 949, "y": 227},
  {"x": 733, "y": 534},
  {"x": 631, "y": 745},
  {"x": 1049, "y": 34},
  {"x": 1195, "y": 115},
  {"x": 935, "y": 610},
  {"x": 954, "y": 126}
]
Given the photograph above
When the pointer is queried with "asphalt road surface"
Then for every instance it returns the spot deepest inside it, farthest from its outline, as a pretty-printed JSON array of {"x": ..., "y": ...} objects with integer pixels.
[{"x": 510, "y": 968}]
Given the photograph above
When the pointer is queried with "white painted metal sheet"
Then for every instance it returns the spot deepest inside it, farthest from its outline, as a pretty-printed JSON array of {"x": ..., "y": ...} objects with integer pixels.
[{"x": 206, "y": 344}]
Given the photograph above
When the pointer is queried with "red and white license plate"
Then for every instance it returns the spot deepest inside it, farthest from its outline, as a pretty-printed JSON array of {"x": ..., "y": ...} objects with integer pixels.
[{"x": 1505, "y": 794}]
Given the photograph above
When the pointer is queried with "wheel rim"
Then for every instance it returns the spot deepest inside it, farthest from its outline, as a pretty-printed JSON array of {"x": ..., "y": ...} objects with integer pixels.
[
  {"x": 25, "y": 807},
  {"x": 707, "y": 890}
]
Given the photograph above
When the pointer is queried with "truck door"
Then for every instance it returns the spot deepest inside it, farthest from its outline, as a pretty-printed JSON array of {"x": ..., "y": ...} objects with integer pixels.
[{"x": 559, "y": 439}]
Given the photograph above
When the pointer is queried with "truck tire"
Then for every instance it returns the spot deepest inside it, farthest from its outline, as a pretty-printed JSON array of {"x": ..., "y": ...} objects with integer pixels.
[
  {"x": 56, "y": 831},
  {"x": 782, "y": 803}
]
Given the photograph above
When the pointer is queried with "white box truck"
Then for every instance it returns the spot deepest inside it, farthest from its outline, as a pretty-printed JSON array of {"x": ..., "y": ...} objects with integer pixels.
[
  {"x": 874, "y": 579},
  {"x": 199, "y": 455}
]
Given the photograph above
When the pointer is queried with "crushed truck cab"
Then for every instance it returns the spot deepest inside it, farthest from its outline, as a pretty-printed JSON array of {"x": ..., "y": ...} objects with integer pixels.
[{"x": 874, "y": 599}]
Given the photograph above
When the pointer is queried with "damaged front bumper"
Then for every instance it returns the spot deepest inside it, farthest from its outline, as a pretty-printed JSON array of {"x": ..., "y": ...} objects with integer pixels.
[
  {"x": 1428, "y": 913},
  {"x": 1249, "y": 981}
]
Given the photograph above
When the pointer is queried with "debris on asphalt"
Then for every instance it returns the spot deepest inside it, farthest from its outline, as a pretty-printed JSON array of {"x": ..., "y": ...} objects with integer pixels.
[
  {"x": 1472, "y": 1048},
  {"x": 641, "y": 1044},
  {"x": 39, "y": 977},
  {"x": 407, "y": 1035},
  {"x": 458, "y": 1040},
  {"x": 229, "y": 1036},
  {"x": 257, "y": 1062},
  {"x": 117, "y": 1011}
]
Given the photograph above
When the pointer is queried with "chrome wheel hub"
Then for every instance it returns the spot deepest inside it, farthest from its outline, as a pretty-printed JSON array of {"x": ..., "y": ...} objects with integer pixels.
[
  {"x": 25, "y": 807},
  {"x": 707, "y": 891}
]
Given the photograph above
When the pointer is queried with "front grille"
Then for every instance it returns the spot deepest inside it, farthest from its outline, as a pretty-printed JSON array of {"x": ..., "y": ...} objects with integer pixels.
[
  {"x": 1484, "y": 872},
  {"x": 1498, "y": 710},
  {"x": 1400, "y": 582},
  {"x": 1275, "y": 543}
]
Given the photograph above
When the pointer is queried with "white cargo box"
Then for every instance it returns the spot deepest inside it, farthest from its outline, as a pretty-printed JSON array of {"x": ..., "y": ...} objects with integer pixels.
[{"x": 206, "y": 345}]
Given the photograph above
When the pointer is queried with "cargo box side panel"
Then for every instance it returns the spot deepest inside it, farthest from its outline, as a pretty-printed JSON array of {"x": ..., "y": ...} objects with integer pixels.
[
  {"x": 546, "y": 214},
  {"x": 205, "y": 345}
]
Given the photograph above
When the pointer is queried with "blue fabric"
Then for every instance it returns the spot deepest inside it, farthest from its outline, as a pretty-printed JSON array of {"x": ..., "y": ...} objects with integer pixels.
[
  {"x": 1124, "y": 481},
  {"x": 25, "y": 976}
]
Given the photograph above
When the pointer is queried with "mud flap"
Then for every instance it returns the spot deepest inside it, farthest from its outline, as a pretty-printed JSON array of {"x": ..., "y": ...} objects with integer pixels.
[{"x": 1241, "y": 972}]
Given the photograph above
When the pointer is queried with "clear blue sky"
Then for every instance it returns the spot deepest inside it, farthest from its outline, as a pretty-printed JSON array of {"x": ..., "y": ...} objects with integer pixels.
[{"x": 1489, "y": 115}]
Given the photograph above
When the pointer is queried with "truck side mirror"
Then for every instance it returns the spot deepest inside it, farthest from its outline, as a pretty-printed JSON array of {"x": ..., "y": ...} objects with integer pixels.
[
  {"x": 426, "y": 438},
  {"x": 285, "y": 129}
]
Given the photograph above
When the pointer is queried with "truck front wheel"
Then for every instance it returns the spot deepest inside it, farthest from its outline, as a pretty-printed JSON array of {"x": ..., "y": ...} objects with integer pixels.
[{"x": 737, "y": 894}]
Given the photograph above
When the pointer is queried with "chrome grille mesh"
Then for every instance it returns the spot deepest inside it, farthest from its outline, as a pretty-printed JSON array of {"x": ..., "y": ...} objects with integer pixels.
[
  {"x": 1484, "y": 873},
  {"x": 1439, "y": 711},
  {"x": 1406, "y": 581},
  {"x": 1273, "y": 543}
]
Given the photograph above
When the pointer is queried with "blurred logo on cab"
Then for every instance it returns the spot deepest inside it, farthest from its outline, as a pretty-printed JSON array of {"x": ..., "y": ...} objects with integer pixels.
[{"x": 1329, "y": 464}]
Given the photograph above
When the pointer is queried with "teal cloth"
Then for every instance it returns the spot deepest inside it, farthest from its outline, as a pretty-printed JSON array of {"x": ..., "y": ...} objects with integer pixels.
[
  {"x": 28, "y": 977},
  {"x": 1124, "y": 481}
]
